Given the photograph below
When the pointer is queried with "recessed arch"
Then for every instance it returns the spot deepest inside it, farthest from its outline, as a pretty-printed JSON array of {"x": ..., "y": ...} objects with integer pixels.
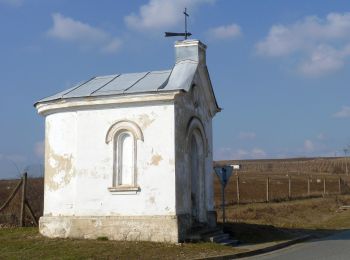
[
  {"x": 196, "y": 125},
  {"x": 197, "y": 148},
  {"x": 124, "y": 125}
]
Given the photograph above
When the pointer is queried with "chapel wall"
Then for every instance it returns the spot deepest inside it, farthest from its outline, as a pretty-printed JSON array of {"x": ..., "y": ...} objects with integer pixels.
[
  {"x": 190, "y": 105},
  {"x": 79, "y": 185}
]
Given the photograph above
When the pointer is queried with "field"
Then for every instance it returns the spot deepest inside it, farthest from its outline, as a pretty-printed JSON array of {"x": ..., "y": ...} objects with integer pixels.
[
  {"x": 323, "y": 175},
  {"x": 301, "y": 166},
  {"x": 252, "y": 221},
  {"x": 264, "y": 222},
  {"x": 309, "y": 177}
]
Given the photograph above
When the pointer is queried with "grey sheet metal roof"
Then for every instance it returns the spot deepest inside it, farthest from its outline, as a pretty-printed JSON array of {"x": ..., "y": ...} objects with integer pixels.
[{"x": 179, "y": 78}]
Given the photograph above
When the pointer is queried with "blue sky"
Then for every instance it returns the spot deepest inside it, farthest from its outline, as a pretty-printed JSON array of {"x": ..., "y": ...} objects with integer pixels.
[{"x": 280, "y": 69}]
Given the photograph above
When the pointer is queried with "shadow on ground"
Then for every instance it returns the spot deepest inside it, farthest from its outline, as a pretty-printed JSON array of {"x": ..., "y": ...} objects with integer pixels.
[{"x": 258, "y": 233}]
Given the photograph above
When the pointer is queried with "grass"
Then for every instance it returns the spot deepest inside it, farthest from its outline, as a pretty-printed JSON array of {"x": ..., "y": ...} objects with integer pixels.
[
  {"x": 266, "y": 222},
  {"x": 317, "y": 213},
  {"x": 27, "y": 243},
  {"x": 249, "y": 223},
  {"x": 254, "y": 223}
]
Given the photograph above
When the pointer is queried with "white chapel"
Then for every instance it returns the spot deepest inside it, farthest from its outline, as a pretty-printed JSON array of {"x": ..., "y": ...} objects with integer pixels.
[{"x": 130, "y": 156}]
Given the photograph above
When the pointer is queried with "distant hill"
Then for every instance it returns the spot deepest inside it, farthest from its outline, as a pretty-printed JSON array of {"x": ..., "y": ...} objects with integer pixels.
[{"x": 316, "y": 165}]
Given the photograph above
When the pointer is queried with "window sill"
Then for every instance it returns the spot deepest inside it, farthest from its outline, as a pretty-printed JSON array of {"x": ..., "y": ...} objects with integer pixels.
[{"x": 124, "y": 190}]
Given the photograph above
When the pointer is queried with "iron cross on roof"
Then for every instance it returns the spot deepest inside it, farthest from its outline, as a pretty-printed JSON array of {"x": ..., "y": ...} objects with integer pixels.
[{"x": 186, "y": 34}]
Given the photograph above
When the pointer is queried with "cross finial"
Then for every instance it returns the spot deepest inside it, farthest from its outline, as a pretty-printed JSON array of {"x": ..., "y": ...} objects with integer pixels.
[
  {"x": 186, "y": 15},
  {"x": 186, "y": 34}
]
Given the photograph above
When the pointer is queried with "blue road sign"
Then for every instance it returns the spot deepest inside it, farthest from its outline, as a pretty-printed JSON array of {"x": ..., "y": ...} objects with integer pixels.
[{"x": 224, "y": 173}]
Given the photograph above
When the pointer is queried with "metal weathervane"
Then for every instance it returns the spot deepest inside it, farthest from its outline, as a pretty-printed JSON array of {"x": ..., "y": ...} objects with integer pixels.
[{"x": 186, "y": 34}]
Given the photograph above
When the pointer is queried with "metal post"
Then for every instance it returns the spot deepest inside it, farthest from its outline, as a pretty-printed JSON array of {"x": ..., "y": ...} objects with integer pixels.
[
  {"x": 267, "y": 189},
  {"x": 346, "y": 161},
  {"x": 289, "y": 187},
  {"x": 339, "y": 185},
  {"x": 23, "y": 199},
  {"x": 324, "y": 186},
  {"x": 308, "y": 186},
  {"x": 223, "y": 204},
  {"x": 238, "y": 190}
]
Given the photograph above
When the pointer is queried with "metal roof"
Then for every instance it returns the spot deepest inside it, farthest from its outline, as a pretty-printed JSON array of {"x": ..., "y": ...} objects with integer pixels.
[{"x": 178, "y": 78}]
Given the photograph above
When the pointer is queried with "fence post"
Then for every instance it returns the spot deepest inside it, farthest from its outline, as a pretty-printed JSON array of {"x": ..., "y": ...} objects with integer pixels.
[
  {"x": 324, "y": 186},
  {"x": 12, "y": 195},
  {"x": 308, "y": 186},
  {"x": 238, "y": 189},
  {"x": 339, "y": 185},
  {"x": 23, "y": 199},
  {"x": 289, "y": 187},
  {"x": 267, "y": 189}
]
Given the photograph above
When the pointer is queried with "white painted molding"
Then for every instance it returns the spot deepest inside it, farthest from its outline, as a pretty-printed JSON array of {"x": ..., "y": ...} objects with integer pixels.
[
  {"x": 122, "y": 126},
  {"x": 124, "y": 190},
  {"x": 46, "y": 108}
]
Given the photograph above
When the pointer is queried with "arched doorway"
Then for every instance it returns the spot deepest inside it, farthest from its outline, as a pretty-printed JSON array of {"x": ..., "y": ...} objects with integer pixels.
[{"x": 198, "y": 204}]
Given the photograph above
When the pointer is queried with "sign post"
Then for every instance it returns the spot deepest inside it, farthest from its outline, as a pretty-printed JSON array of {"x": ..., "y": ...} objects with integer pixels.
[{"x": 224, "y": 173}]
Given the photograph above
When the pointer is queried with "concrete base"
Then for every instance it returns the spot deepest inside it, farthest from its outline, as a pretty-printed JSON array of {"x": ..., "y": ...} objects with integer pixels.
[{"x": 133, "y": 228}]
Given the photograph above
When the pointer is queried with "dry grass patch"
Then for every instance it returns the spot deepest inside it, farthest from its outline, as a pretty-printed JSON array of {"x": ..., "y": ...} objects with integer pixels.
[
  {"x": 267, "y": 222},
  {"x": 318, "y": 213}
]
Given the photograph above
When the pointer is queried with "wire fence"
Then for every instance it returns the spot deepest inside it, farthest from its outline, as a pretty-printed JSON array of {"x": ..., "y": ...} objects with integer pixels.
[
  {"x": 21, "y": 201},
  {"x": 244, "y": 189}
]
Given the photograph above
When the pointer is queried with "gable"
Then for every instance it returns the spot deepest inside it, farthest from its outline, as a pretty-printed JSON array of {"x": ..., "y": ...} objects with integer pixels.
[{"x": 202, "y": 79}]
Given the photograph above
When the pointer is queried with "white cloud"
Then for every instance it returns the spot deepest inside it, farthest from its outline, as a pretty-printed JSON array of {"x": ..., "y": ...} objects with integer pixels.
[
  {"x": 258, "y": 153},
  {"x": 309, "y": 146},
  {"x": 83, "y": 34},
  {"x": 15, "y": 3},
  {"x": 246, "y": 135},
  {"x": 39, "y": 149},
  {"x": 344, "y": 112},
  {"x": 240, "y": 154},
  {"x": 321, "y": 136},
  {"x": 225, "y": 31},
  {"x": 322, "y": 60},
  {"x": 113, "y": 46},
  {"x": 324, "y": 43},
  {"x": 161, "y": 14}
]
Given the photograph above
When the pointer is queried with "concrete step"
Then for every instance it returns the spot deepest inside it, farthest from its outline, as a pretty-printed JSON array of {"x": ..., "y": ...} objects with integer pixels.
[
  {"x": 214, "y": 235},
  {"x": 200, "y": 234},
  {"x": 229, "y": 242}
]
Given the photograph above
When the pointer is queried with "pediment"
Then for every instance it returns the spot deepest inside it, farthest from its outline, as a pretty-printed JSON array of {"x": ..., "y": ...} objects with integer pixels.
[{"x": 202, "y": 79}]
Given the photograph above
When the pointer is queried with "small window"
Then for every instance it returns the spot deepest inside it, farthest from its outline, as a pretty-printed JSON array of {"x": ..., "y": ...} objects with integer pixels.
[
  {"x": 124, "y": 161},
  {"x": 124, "y": 136}
]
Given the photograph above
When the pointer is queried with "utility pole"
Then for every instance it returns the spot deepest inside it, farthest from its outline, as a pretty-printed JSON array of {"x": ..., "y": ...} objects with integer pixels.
[{"x": 346, "y": 150}]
